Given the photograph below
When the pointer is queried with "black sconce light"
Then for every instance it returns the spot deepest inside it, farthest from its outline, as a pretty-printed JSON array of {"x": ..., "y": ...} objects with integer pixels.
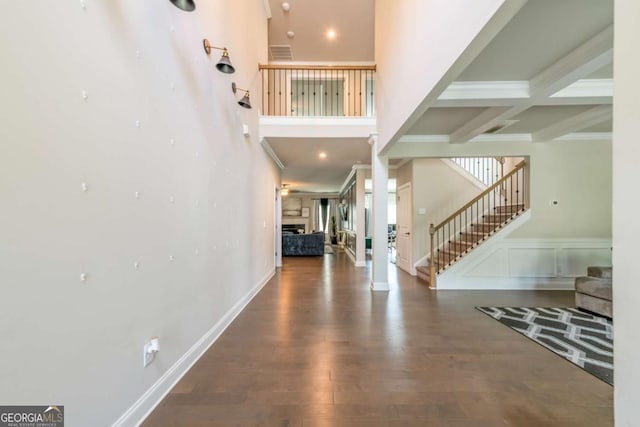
[
  {"x": 186, "y": 5},
  {"x": 244, "y": 102},
  {"x": 224, "y": 64}
]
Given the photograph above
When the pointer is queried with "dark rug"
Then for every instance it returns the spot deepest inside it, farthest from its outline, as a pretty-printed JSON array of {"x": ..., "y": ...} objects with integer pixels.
[{"x": 583, "y": 339}]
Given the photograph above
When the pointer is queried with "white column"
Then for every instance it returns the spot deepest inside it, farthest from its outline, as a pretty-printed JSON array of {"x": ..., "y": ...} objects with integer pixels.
[
  {"x": 360, "y": 219},
  {"x": 626, "y": 200},
  {"x": 380, "y": 196}
]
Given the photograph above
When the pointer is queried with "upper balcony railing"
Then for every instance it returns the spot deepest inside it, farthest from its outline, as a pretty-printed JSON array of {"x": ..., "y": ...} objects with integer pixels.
[{"x": 318, "y": 90}]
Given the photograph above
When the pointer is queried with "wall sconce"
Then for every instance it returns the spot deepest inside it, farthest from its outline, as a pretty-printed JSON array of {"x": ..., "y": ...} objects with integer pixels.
[
  {"x": 186, "y": 5},
  {"x": 284, "y": 191},
  {"x": 224, "y": 64},
  {"x": 244, "y": 102}
]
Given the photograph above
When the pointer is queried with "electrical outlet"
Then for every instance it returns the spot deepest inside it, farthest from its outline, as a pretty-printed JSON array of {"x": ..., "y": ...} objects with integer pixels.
[{"x": 149, "y": 352}]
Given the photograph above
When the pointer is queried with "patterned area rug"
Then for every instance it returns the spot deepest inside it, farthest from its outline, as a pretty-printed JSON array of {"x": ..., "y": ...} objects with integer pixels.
[{"x": 583, "y": 339}]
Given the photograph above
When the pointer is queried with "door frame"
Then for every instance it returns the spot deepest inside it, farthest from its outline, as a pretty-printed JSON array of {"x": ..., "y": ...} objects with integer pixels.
[
  {"x": 277, "y": 232},
  {"x": 412, "y": 269}
]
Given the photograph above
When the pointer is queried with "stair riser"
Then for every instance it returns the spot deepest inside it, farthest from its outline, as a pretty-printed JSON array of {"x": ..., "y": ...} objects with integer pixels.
[
  {"x": 459, "y": 246},
  {"x": 485, "y": 228},
  {"x": 509, "y": 209},
  {"x": 474, "y": 238},
  {"x": 497, "y": 218}
]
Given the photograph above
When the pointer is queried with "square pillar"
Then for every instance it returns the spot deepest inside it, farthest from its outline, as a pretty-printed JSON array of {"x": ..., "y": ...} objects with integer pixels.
[{"x": 379, "y": 220}]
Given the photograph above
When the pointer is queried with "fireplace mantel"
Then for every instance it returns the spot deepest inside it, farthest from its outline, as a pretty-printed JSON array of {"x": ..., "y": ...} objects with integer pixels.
[{"x": 289, "y": 220}]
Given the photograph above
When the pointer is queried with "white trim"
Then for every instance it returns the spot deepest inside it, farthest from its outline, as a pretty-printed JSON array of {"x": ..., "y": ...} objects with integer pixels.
[
  {"x": 399, "y": 165},
  {"x": 347, "y": 181},
  {"x": 508, "y": 89},
  {"x": 464, "y": 173},
  {"x": 323, "y": 63},
  {"x": 352, "y": 257},
  {"x": 316, "y": 127},
  {"x": 587, "y": 88},
  {"x": 503, "y": 137},
  {"x": 315, "y": 121},
  {"x": 485, "y": 137},
  {"x": 506, "y": 137},
  {"x": 587, "y": 58},
  {"x": 379, "y": 286},
  {"x": 424, "y": 138},
  {"x": 271, "y": 153},
  {"x": 586, "y": 136},
  {"x": 267, "y": 9},
  {"x": 140, "y": 410},
  {"x": 584, "y": 120},
  {"x": 492, "y": 265}
]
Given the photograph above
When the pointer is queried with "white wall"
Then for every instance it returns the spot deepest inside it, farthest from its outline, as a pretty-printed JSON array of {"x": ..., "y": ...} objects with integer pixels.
[
  {"x": 439, "y": 190},
  {"x": 577, "y": 175},
  {"x": 554, "y": 244},
  {"x": 206, "y": 200},
  {"x": 626, "y": 200},
  {"x": 417, "y": 54}
]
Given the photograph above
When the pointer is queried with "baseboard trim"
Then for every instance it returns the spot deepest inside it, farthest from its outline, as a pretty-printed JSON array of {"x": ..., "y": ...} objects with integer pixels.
[
  {"x": 379, "y": 286},
  {"x": 141, "y": 409},
  {"x": 352, "y": 257}
]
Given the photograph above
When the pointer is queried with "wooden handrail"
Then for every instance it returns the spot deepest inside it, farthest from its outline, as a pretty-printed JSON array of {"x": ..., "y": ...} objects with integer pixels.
[
  {"x": 519, "y": 166},
  {"x": 316, "y": 67}
]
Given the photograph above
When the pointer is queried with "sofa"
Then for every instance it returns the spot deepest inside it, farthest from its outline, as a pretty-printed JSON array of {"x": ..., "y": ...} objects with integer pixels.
[
  {"x": 302, "y": 244},
  {"x": 594, "y": 291}
]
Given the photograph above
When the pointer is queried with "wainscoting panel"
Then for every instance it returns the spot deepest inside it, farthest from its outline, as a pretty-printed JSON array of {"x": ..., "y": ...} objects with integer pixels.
[
  {"x": 493, "y": 265},
  {"x": 503, "y": 263},
  {"x": 573, "y": 262},
  {"x": 532, "y": 262}
]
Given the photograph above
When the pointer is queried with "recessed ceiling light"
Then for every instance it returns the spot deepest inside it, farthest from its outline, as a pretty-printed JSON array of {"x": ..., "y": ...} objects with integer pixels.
[
  {"x": 286, "y": 6},
  {"x": 322, "y": 155},
  {"x": 331, "y": 34}
]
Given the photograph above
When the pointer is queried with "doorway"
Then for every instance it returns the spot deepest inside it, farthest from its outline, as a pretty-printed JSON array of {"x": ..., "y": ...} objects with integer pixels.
[{"x": 404, "y": 226}]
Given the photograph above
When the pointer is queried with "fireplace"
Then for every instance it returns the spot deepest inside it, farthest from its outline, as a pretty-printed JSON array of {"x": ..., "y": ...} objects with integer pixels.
[{"x": 294, "y": 228}]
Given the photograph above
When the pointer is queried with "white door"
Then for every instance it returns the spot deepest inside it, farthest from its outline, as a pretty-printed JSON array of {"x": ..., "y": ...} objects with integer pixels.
[{"x": 404, "y": 242}]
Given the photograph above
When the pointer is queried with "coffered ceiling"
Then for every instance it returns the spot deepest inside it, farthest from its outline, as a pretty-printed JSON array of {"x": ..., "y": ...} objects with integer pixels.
[{"x": 547, "y": 74}]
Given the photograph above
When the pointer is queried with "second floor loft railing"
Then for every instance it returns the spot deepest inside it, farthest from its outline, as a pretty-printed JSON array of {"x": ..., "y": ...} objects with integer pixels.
[
  {"x": 487, "y": 170},
  {"x": 318, "y": 90}
]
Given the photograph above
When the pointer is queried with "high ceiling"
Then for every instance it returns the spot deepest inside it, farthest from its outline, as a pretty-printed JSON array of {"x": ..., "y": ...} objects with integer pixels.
[
  {"x": 547, "y": 74},
  {"x": 352, "y": 21}
]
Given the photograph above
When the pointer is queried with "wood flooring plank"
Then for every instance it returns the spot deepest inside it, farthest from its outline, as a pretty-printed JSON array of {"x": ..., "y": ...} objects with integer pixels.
[{"x": 317, "y": 348}]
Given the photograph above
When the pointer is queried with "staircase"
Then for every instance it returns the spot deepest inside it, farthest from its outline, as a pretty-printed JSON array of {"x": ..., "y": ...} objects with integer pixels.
[{"x": 475, "y": 223}]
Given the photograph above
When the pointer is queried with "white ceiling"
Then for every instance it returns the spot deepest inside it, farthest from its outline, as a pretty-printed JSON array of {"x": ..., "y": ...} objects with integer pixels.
[
  {"x": 305, "y": 171},
  {"x": 352, "y": 20},
  {"x": 541, "y": 40},
  {"x": 540, "y": 34},
  {"x": 517, "y": 77}
]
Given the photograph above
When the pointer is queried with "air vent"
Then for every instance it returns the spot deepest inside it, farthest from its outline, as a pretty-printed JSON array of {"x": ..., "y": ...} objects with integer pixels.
[
  {"x": 281, "y": 52},
  {"x": 501, "y": 126}
]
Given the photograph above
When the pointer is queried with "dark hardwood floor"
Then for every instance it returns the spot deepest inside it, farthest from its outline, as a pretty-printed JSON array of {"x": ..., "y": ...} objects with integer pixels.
[{"x": 317, "y": 348}]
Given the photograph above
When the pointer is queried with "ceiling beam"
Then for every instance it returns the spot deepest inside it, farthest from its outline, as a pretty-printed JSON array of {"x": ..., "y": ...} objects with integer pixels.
[
  {"x": 489, "y": 118},
  {"x": 586, "y": 119},
  {"x": 506, "y": 93},
  {"x": 589, "y": 57}
]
